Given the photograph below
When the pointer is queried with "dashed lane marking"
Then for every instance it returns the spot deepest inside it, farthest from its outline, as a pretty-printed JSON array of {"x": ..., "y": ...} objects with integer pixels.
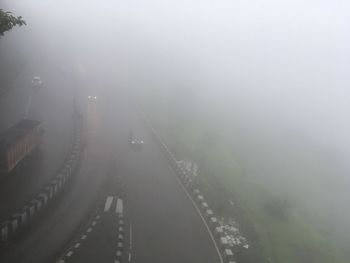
[
  {"x": 119, "y": 208},
  {"x": 108, "y": 203}
]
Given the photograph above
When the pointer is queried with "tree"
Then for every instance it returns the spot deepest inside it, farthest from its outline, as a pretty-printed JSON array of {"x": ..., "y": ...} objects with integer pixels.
[{"x": 8, "y": 21}]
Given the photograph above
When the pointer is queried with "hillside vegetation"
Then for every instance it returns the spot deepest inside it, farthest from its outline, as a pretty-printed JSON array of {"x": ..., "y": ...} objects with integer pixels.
[{"x": 277, "y": 228}]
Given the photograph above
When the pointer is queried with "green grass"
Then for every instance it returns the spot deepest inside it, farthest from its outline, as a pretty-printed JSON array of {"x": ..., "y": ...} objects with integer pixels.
[{"x": 293, "y": 240}]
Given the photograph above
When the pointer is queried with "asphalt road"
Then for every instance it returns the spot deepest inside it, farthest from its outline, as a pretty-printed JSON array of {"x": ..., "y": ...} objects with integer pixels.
[
  {"x": 53, "y": 105},
  {"x": 165, "y": 225}
]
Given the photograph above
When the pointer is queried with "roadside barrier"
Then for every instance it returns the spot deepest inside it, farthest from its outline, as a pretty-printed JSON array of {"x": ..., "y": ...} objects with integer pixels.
[{"x": 21, "y": 219}]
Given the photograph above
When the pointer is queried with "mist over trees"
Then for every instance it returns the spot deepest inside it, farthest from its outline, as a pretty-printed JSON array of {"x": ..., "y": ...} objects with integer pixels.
[{"x": 8, "y": 21}]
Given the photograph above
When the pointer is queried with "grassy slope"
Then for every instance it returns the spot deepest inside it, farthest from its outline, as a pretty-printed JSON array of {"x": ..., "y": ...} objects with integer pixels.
[{"x": 293, "y": 240}]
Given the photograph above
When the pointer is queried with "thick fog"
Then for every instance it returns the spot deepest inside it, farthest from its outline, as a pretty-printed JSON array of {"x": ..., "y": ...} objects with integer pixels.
[{"x": 272, "y": 75}]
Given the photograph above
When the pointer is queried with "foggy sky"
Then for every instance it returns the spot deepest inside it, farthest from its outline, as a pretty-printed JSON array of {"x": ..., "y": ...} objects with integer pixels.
[
  {"x": 277, "y": 71},
  {"x": 288, "y": 59}
]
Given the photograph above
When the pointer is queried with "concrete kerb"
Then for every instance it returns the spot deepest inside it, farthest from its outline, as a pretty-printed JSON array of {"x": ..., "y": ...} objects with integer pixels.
[
  {"x": 218, "y": 231},
  {"x": 196, "y": 191},
  {"x": 68, "y": 256},
  {"x": 204, "y": 206},
  {"x": 223, "y": 243},
  {"x": 23, "y": 214},
  {"x": 69, "y": 164},
  {"x": 54, "y": 185},
  {"x": 67, "y": 170},
  {"x": 199, "y": 198},
  {"x": 4, "y": 231},
  {"x": 14, "y": 225},
  {"x": 75, "y": 151},
  {"x": 213, "y": 222},
  {"x": 228, "y": 255},
  {"x": 9, "y": 227},
  {"x": 49, "y": 191},
  {"x": 37, "y": 204},
  {"x": 43, "y": 196},
  {"x": 60, "y": 184},
  {"x": 76, "y": 148},
  {"x": 74, "y": 161},
  {"x": 20, "y": 220},
  {"x": 31, "y": 209},
  {"x": 188, "y": 184},
  {"x": 185, "y": 179},
  {"x": 208, "y": 213},
  {"x": 61, "y": 178}
]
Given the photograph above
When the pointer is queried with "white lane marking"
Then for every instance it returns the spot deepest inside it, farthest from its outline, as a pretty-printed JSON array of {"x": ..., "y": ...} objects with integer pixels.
[
  {"x": 70, "y": 253},
  {"x": 83, "y": 237},
  {"x": 119, "y": 208},
  {"x": 77, "y": 245},
  {"x": 89, "y": 230},
  {"x": 97, "y": 217},
  {"x": 94, "y": 223},
  {"x": 130, "y": 242},
  {"x": 199, "y": 213},
  {"x": 108, "y": 203},
  {"x": 61, "y": 261}
]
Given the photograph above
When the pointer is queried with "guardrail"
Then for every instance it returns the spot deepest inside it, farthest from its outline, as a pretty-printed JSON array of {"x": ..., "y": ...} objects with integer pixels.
[
  {"x": 24, "y": 216},
  {"x": 225, "y": 252}
]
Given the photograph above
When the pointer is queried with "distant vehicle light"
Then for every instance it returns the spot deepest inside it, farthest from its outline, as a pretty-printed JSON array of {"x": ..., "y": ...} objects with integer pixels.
[
  {"x": 90, "y": 97},
  {"x": 136, "y": 144},
  {"x": 37, "y": 82}
]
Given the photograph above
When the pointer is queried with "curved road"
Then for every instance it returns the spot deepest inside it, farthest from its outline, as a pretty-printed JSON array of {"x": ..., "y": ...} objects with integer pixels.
[
  {"x": 165, "y": 225},
  {"x": 53, "y": 105}
]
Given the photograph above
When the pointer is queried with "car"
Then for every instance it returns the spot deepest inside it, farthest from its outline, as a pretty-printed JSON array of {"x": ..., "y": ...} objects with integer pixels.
[
  {"x": 134, "y": 143},
  {"x": 92, "y": 97},
  {"x": 37, "y": 83}
]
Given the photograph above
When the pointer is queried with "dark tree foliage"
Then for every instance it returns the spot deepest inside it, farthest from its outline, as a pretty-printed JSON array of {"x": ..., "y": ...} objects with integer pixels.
[{"x": 8, "y": 21}]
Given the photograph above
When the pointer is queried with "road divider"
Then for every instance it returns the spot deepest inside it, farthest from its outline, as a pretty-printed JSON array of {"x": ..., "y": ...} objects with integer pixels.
[{"x": 21, "y": 219}]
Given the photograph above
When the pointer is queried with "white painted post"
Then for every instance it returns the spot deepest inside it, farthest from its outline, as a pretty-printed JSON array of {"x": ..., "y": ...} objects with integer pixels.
[
  {"x": 14, "y": 224},
  {"x": 4, "y": 231}
]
